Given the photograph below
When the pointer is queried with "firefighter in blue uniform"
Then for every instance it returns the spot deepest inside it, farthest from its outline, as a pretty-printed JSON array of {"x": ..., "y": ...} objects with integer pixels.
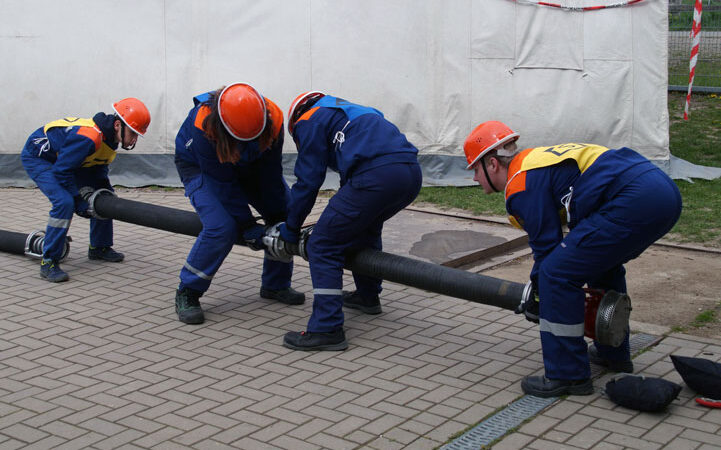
[
  {"x": 228, "y": 156},
  {"x": 68, "y": 154},
  {"x": 379, "y": 176},
  {"x": 616, "y": 203}
]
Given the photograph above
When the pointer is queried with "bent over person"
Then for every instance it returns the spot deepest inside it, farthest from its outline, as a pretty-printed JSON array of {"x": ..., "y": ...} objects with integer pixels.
[
  {"x": 228, "y": 156},
  {"x": 379, "y": 176},
  {"x": 70, "y": 153},
  {"x": 616, "y": 203}
]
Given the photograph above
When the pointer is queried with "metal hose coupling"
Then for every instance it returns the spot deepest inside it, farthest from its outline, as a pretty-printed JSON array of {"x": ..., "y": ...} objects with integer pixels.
[
  {"x": 279, "y": 250},
  {"x": 89, "y": 195},
  {"x": 35, "y": 241},
  {"x": 607, "y": 316}
]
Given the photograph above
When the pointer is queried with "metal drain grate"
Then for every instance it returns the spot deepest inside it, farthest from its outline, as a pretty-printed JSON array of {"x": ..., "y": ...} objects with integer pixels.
[
  {"x": 526, "y": 407},
  {"x": 498, "y": 424}
]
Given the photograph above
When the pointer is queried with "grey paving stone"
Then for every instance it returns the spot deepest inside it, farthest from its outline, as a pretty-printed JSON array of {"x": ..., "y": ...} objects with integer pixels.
[{"x": 102, "y": 362}]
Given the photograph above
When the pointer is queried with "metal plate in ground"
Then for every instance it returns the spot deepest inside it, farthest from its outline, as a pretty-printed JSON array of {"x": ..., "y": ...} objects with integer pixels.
[{"x": 440, "y": 239}]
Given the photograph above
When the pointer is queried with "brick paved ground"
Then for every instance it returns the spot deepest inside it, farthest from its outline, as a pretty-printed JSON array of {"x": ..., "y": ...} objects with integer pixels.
[{"x": 102, "y": 362}]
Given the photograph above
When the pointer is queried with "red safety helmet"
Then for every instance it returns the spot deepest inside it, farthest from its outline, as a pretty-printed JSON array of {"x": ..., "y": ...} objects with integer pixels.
[
  {"x": 297, "y": 107},
  {"x": 134, "y": 114},
  {"x": 486, "y": 137},
  {"x": 242, "y": 111}
]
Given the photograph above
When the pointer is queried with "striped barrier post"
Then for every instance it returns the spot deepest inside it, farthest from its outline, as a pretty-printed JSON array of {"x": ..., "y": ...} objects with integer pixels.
[{"x": 695, "y": 44}]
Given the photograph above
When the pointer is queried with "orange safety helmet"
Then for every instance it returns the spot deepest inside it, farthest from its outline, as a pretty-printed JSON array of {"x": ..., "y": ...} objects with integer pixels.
[
  {"x": 134, "y": 114},
  {"x": 296, "y": 108},
  {"x": 486, "y": 137},
  {"x": 242, "y": 111}
]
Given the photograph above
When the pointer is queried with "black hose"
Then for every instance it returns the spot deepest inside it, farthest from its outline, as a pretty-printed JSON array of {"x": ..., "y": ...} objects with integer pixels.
[
  {"x": 147, "y": 215},
  {"x": 12, "y": 242},
  {"x": 436, "y": 278},
  {"x": 398, "y": 269},
  {"x": 151, "y": 216}
]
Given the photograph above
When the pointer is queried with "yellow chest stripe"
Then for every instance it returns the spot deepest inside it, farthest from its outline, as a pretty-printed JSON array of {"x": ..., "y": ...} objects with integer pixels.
[{"x": 103, "y": 154}]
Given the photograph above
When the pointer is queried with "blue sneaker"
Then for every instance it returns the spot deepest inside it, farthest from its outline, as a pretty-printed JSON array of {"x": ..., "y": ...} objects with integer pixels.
[
  {"x": 51, "y": 271},
  {"x": 105, "y": 254}
]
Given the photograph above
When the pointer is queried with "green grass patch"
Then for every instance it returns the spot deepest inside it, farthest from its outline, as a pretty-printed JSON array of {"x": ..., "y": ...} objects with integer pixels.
[
  {"x": 704, "y": 318},
  {"x": 468, "y": 198},
  {"x": 708, "y": 70},
  {"x": 697, "y": 140}
]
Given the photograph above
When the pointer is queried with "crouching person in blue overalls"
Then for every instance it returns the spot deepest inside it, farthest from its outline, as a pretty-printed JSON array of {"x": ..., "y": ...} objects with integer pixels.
[
  {"x": 616, "y": 203},
  {"x": 379, "y": 176},
  {"x": 72, "y": 153},
  {"x": 228, "y": 156}
]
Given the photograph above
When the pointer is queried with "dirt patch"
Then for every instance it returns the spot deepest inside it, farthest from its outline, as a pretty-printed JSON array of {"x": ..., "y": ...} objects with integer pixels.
[{"x": 668, "y": 286}]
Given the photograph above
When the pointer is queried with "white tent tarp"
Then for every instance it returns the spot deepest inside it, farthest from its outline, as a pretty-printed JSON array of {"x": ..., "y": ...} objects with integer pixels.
[{"x": 436, "y": 68}]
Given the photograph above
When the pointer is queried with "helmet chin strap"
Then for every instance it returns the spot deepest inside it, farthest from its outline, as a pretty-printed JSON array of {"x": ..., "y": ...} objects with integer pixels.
[
  {"x": 122, "y": 137},
  {"x": 485, "y": 171}
]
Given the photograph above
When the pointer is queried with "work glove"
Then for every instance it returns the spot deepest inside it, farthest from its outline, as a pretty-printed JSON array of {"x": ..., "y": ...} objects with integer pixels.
[
  {"x": 289, "y": 235},
  {"x": 253, "y": 237},
  {"x": 530, "y": 307},
  {"x": 81, "y": 207}
]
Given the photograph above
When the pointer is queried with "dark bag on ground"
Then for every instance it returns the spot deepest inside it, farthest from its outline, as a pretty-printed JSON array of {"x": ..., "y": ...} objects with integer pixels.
[
  {"x": 701, "y": 375},
  {"x": 642, "y": 393}
]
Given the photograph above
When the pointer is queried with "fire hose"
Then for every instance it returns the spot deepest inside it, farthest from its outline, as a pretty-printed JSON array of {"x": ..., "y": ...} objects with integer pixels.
[
  {"x": 607, "y": 313},
  {"x": 28, "y": 244}
]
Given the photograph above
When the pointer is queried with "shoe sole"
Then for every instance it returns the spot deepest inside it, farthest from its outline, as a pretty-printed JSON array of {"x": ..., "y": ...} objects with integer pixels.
[
  {"x": 561, "y": 391},
  {"x": 192, "y": 322},
  {"x": 329, "y": 347},
  {"x": 270, "y": 297},
  {"x": 100, "y": 258},
  {"x": 58, "y": 280},
  {"x": 196, "y": 321},
  {"x": 373, "y": 310}
]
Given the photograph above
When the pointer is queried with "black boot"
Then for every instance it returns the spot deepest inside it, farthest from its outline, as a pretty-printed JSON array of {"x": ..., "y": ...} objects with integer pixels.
[
  {"x": 105, "y": 254},
  {"x": 289, "y": 296},
  {"x": 353, "y": 300},
  {"x": 187, "y": 305},
  {"x": 540, "y": 386},
  {"x": 612, "y": 365},
  {"x": 309, "y": 341}
]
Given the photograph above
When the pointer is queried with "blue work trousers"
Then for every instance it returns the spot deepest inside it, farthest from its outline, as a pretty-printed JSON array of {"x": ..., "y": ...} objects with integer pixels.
[
  {"x": 354, "y": 220},
  {"x": 63, "y": 206},
  {"x": 224, "y": 210},
  {"x": 594, "y": 253}
]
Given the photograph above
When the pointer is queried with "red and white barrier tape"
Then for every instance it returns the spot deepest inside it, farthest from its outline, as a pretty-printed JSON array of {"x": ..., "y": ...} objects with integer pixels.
[
  {"x": 695, "y": 44},
  {"x": 579, "y": 8}
]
